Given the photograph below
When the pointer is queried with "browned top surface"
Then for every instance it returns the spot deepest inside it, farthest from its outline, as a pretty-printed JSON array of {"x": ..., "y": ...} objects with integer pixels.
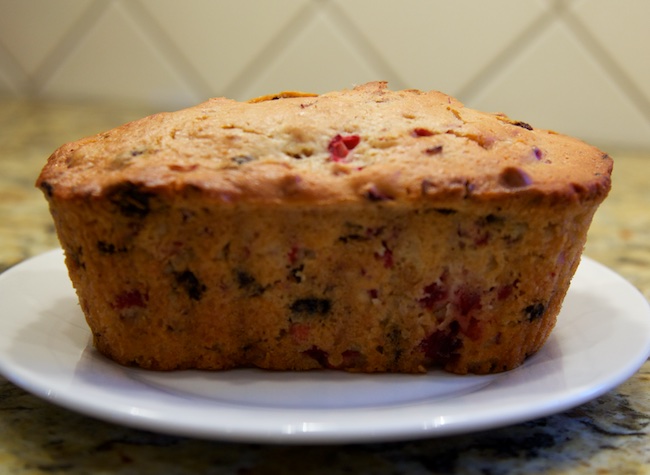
[{"x": 365, "y": 143}]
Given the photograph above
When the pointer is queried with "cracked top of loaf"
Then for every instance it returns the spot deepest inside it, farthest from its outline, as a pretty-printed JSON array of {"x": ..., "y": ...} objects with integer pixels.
[{"x": 366, "y": 143}]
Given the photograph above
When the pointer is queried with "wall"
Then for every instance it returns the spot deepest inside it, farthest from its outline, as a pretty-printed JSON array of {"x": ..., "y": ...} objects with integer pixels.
[{"x": 581, "y": 67}]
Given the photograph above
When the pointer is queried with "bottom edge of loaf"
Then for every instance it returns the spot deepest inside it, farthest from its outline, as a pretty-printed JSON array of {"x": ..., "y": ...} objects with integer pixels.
[{"x": 449, "y": 350}]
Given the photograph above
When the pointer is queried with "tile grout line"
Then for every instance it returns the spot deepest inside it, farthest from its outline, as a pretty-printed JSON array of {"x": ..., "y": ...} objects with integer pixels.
[
  {"x": 262, "y": 60},
  {"x": 363, "y": 45},
  {"x": 608, "y": 64},
  {"x": 79, "y": 29},
  {"x": 506, "y": 56},
  {"x": 169, "y": 50},
  {"x": 18, "y": 78}
]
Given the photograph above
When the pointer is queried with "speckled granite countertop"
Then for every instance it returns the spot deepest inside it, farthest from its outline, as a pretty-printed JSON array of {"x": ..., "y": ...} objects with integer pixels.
[{"x": 608, "y": 435}]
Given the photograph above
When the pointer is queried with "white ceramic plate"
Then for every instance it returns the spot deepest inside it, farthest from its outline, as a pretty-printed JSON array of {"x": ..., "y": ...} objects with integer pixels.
[{"x": 602, "y": 338}]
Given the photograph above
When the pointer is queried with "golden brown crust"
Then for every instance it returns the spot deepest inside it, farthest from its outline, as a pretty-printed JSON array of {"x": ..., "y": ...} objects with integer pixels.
[
  {"x": 363, "y": 230},
  {"x": 410, "y": 144}
]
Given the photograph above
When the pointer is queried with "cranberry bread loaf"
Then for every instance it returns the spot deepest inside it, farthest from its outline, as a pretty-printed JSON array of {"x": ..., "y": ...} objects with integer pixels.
[{"x": 364, "y": 230}]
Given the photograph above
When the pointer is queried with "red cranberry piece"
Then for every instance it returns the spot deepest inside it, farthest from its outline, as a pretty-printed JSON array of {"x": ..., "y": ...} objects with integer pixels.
[
  {"x": 472, "y": 329},
  {"x": 130, "y": 299},
  {"x": 292, "y": 255},
  {"x": 299, "y": 331},
  {"x": 482, "y": 238},
  {"x": 421, "y": 132},
  {"x": 468, "y": 301},
  {"x": 504, "y": 292},
  {"x": 350, "y": 141},
  {"x": 351, "y": 359},
  {"x": 374, "y": 232},
  {"x": 433, "y": 293},
  {"x": 340, "y": 146},
  {"x": 441, "y": 346}
]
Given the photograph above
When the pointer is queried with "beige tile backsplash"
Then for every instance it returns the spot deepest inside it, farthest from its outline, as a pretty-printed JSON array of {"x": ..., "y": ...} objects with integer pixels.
[{"x": 581, "y": 67}]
